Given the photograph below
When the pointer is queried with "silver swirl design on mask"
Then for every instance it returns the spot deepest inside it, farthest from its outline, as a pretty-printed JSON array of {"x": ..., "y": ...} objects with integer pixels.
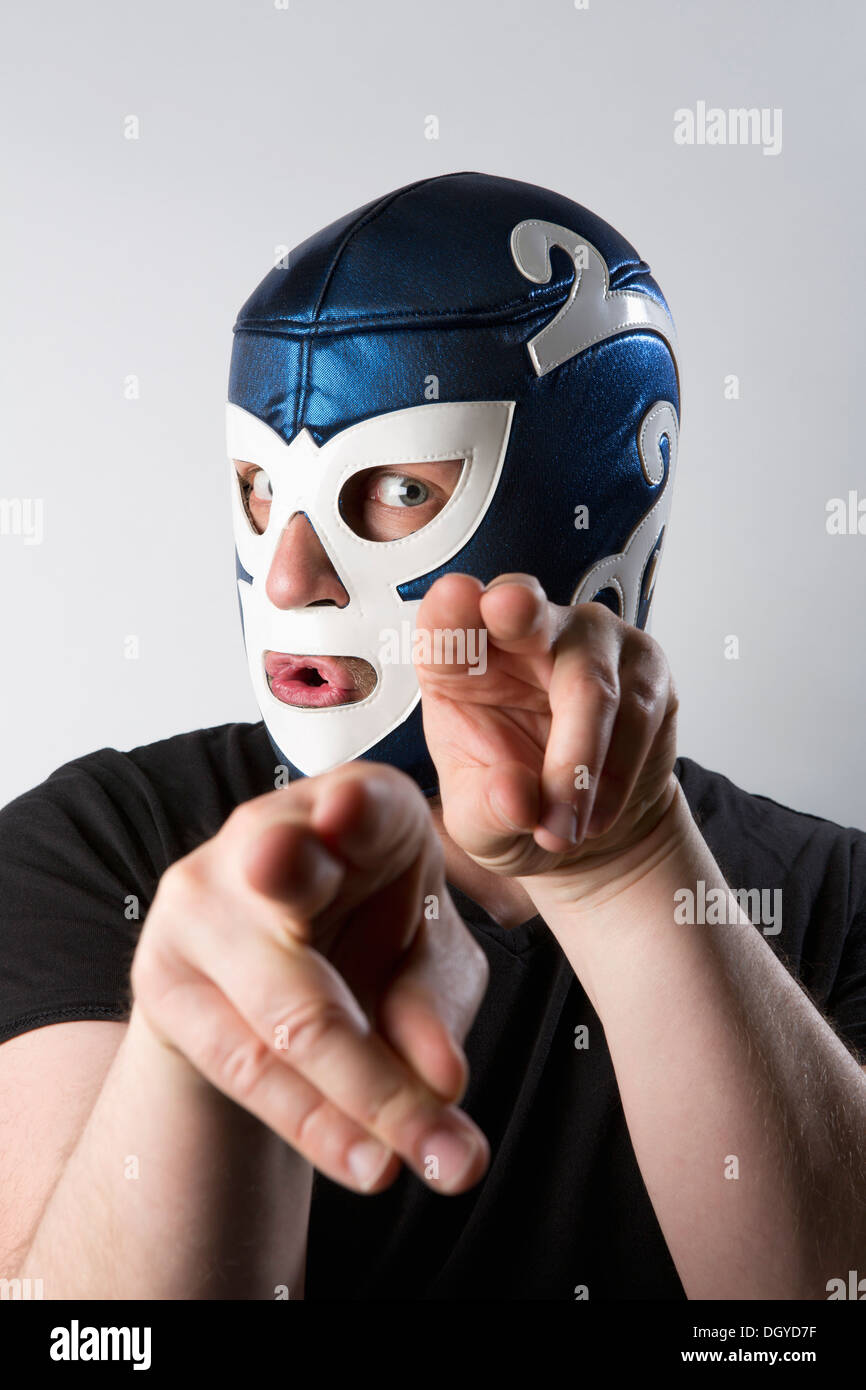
[{"x": 593, "y": 311}]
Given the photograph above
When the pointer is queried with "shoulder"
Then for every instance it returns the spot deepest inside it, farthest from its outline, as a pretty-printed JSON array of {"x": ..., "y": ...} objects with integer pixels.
[
  {"x": 805, "y": 874},
  {"x": 236, "y": 757},
  {"x": 752, "y": 826},
  {"x": 81, "y": 855},
  {"x": 137, "y": 811}
]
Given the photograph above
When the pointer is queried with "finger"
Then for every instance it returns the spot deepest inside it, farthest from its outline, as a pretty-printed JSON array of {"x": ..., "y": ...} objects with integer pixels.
[
  {"x": 284, "y": 862},
  {"x": 518, "y": 615},
  {"x": 489, "y": 811},
  {"x": 373, "y": 943},
  {"x": 324, "y": 851},
  {"x": 296, "y": 1003},
  {"x": 644, "y": 693},
  {"x": 449, "y": 640},
  {"x": 350, "y": 809},
  {"x": 410, "y": 1023},
  {"x": 584, "y": 696},
  {"x": 332, "y": 1043},
  {"x": 216, "y": 1040},
  {"x": 428, "y": 1010},
  {"x": 437, "y": 992},
  {"x": 369, "y": 813}
]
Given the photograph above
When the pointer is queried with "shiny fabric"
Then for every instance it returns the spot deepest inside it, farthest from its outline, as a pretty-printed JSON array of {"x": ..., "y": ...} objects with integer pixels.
[{"x": 421, "y": 284}]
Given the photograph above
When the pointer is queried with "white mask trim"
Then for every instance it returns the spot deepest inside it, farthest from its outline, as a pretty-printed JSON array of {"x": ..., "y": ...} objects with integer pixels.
[
  {"x": 308, "y": 478},
  {"x": 624, "y": 572}
]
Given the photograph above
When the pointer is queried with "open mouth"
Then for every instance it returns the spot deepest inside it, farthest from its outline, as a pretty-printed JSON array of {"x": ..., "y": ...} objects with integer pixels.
[{"x": 318, "y": 682}]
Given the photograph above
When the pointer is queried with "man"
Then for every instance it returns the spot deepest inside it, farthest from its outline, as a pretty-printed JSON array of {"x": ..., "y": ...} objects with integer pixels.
[{"x": 460, "y": 998}]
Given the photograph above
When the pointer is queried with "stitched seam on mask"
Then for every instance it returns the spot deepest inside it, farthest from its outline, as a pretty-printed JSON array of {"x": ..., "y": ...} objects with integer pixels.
[
  {"x": 604, "y": 336},
  {"x": 468, "y": 456},
  {"x": 514, "y": 311},
  {"x": 310, "y": 337},
  {"x": 440, "y": 519},
  {"x": 370, "y": 699},
  {"x": 543, "y": 298}
]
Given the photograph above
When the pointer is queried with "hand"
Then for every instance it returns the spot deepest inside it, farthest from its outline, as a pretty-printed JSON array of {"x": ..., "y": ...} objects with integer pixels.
[
  {"x": 290, "y": 960},
  {"x": 559, "y": 757}
]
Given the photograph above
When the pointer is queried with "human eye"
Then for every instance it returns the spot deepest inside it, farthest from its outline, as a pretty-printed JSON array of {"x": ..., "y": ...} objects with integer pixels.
[
  {"x": 256, "y": 494},
  {"x": 400, "y": 490},
  {"x": 386, "y": 504}
]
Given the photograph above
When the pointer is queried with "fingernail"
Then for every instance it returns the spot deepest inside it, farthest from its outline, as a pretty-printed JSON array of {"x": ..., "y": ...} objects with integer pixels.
[
  {"x": 446, "y": 1156},
  {"x": 561, "y": 820},
  {"x": 367, "y": 1161}
]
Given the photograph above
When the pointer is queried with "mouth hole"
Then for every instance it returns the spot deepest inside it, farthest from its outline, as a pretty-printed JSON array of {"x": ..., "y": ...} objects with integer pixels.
[
  {"x": 357, "y": 675},
  {"x": 310, "y": 676}
]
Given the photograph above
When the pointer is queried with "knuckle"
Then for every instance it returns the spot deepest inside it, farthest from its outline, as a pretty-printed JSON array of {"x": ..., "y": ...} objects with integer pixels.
[
  {"x": 641, "y": 641},
  {"x": 643, "y": 692},
  {"x": 596, "y": 617},
  {"x": 243, "y": 819},
  {"x": 403, "y": 784},
  {"x": 148, "y": 975},
  {"x": 312, "y": 1126},
  {"x": 604, "y": 680},
  {"x": 386, "y": 788},
  {"x": 373, "y": 772},
  {"x": 309, "y": 1025},
  {"x": 385, "y": 1110},
  {"x": 238, "y": 1070},
  {"x": 644, "y": 653},
  {"x": 184, "y": 881}
]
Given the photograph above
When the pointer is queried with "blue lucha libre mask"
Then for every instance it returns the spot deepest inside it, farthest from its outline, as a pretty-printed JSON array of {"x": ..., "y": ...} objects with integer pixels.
[{"x": 467, "y": 318}]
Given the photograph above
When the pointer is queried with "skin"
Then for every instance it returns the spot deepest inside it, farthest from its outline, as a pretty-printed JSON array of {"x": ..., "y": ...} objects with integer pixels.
[
  {"x": 742, "y": 1064},
  {"x": 301, "y": 574},
  {"x": 305, "y": 914}
]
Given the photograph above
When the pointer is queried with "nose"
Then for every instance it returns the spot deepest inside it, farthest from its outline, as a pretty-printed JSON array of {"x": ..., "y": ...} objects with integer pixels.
[{"x": 300, "y": 572}]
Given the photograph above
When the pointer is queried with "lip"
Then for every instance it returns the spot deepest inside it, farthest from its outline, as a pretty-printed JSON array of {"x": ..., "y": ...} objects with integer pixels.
[{"x": 309, "y": 682}]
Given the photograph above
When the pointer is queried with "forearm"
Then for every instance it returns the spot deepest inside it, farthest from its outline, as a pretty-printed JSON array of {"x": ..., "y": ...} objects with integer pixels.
[
  {"x": 172, "y": 1192},
  {"x": 746, "y": 1112}
]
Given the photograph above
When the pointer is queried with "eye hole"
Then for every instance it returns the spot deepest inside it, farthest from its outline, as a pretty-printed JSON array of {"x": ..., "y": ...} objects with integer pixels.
[
  {"x": 610, "y": 598},
  {"x": 256, "y": 494},
  {"x": 386, "y": 503}
]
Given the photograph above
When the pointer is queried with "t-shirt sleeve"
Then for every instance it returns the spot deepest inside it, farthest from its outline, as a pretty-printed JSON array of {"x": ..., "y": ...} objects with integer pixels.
[
  {"x": 846, "y": 1005},
  {"x": 78, "y": 869},
  {"x": 818, "y": 869}
]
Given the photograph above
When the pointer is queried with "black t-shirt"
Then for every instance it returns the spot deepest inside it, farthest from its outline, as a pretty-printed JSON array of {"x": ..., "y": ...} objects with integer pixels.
[{"x": 563, "y": 1203}]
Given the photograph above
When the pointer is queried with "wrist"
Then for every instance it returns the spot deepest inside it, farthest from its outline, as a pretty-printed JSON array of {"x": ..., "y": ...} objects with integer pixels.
[
  {"x": 154, "y": 1054},
  {"x": 601, "y": 878}
]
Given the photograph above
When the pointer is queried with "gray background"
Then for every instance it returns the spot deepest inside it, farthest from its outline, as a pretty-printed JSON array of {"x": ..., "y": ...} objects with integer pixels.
[{"x": 258, "y": 126}]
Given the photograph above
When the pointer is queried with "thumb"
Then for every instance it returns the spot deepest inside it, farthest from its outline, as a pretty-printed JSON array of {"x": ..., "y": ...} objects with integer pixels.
[{"x": 489, "y": 811}]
